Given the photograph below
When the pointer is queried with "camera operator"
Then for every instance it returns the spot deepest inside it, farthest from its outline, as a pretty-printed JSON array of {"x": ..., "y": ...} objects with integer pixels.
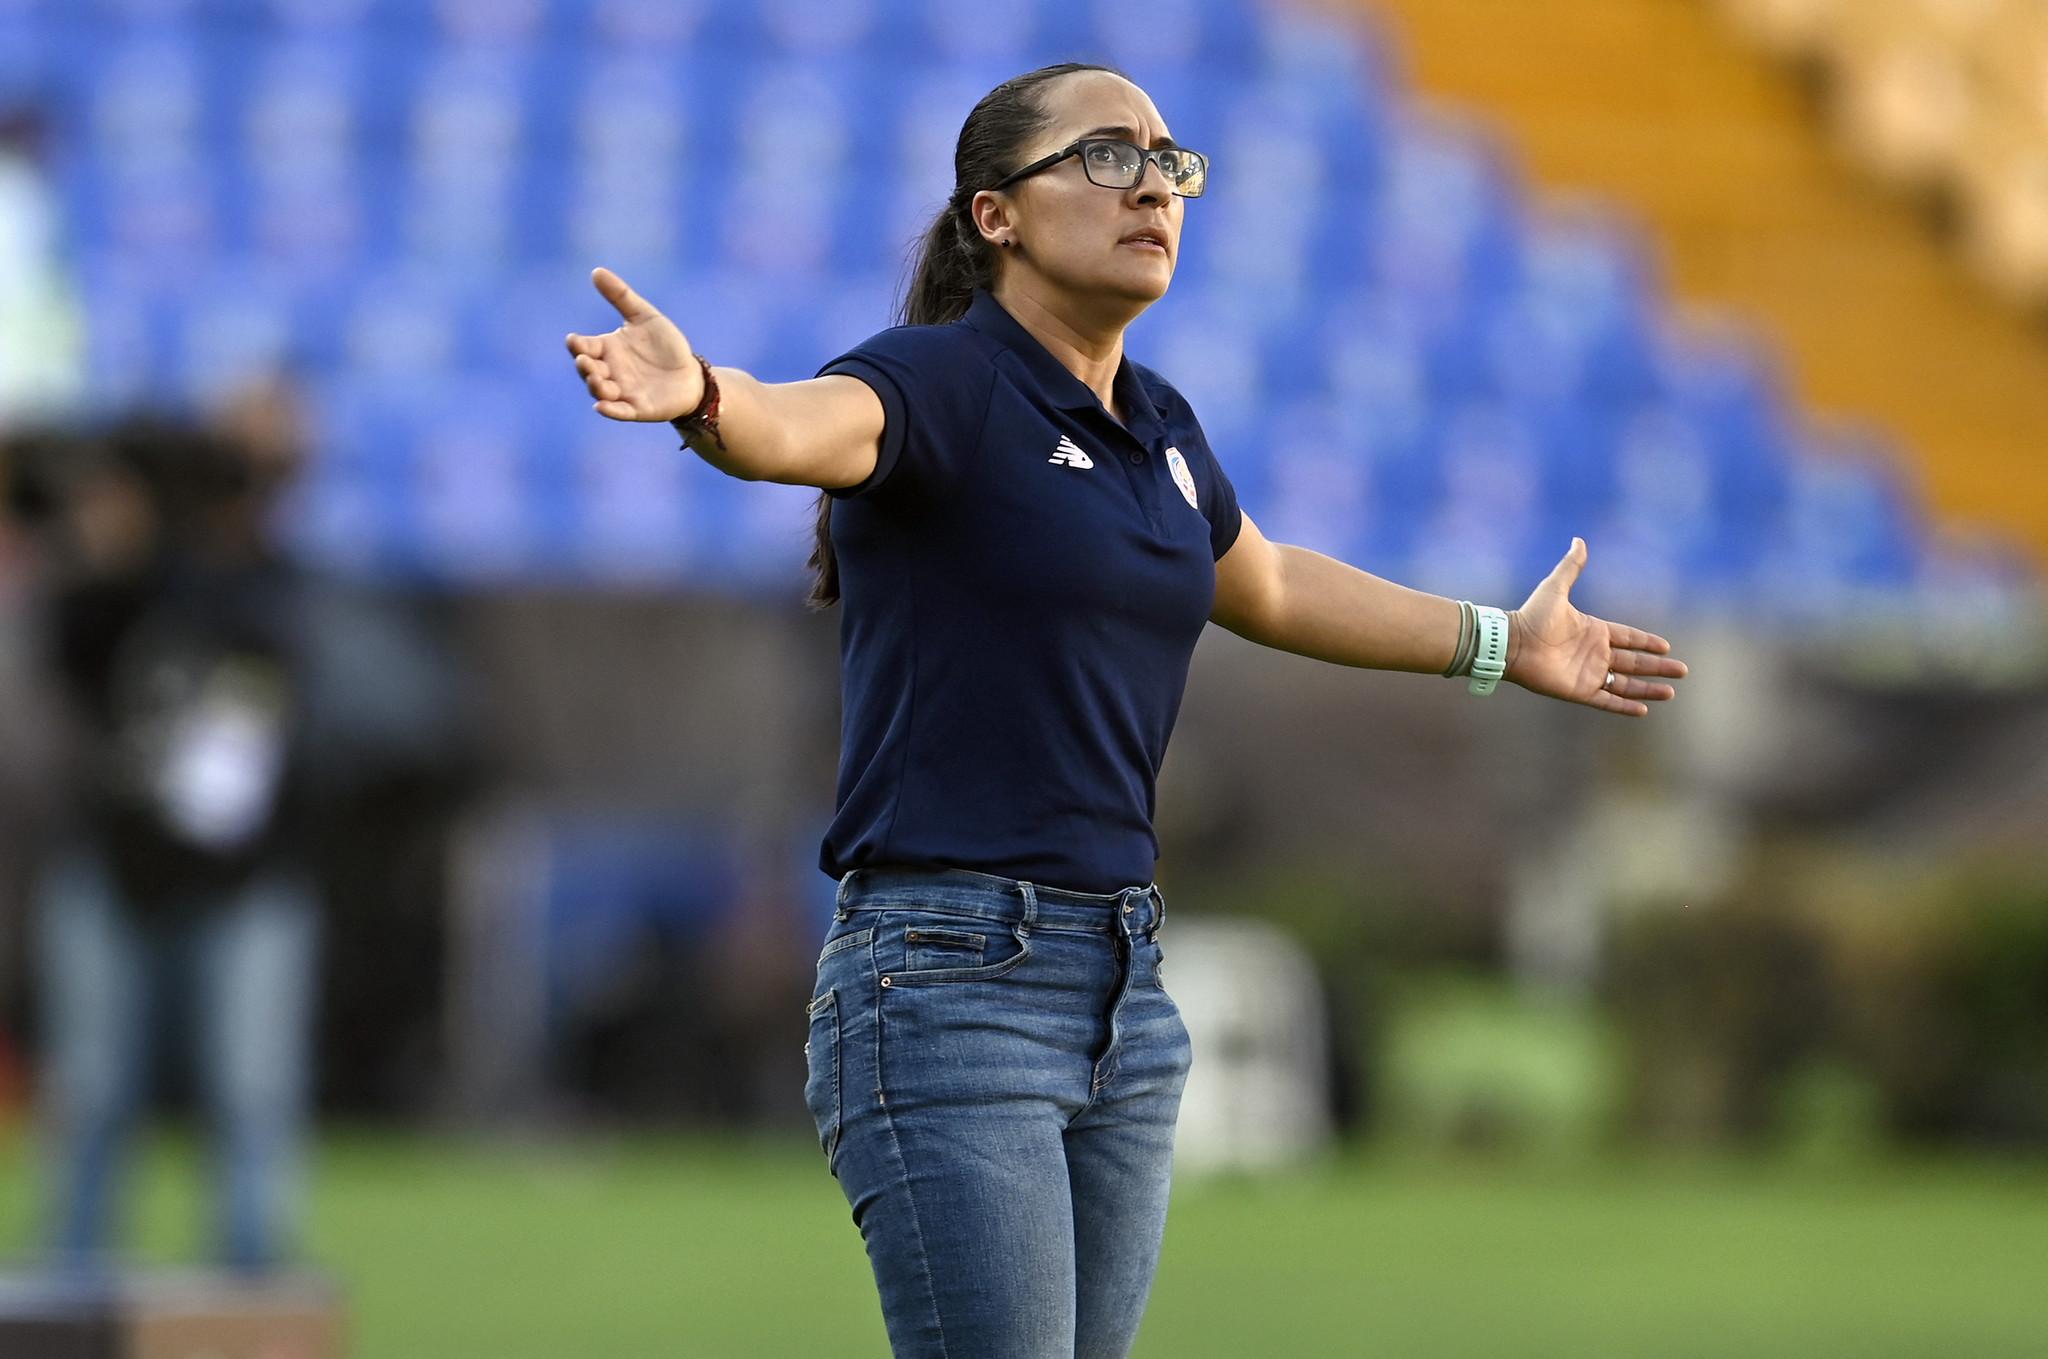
[{"x": 177, "y": 632}]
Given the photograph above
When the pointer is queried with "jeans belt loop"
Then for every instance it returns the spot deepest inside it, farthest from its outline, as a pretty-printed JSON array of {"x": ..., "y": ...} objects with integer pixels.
[{"x": 1030, "y": 907}]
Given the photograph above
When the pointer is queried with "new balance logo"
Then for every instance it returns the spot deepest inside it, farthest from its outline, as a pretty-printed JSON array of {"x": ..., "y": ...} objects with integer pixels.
[{"x": 1070, "y": 454}]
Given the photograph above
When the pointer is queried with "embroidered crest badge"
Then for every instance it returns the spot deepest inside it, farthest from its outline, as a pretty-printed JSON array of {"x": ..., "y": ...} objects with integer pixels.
[{"x": 1182, "y": 478}]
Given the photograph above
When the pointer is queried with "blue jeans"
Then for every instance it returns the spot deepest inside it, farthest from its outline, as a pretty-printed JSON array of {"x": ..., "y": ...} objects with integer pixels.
[
  {"x": 994, "y": 1073},
  {"x": 244, "y": 969}
]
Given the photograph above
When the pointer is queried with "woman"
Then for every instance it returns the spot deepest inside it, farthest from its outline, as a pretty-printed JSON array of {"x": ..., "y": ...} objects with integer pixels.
[{"x": 1029, "y": 532}]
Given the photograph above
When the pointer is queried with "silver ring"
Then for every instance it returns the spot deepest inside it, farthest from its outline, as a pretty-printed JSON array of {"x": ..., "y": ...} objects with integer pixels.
[{"x": 1610, "y": 681}]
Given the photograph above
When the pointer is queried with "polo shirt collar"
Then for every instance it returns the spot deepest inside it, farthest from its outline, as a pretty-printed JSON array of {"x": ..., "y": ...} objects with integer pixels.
[{"x": 1055, "y": 382}]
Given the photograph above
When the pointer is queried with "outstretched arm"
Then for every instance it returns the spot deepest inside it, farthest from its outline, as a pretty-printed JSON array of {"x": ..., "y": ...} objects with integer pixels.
[
  {"x": 1293, "y": 599},
  {"x": 823, "y": 432}
]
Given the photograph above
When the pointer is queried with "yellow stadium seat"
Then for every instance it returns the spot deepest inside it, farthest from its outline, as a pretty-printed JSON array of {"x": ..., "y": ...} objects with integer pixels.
[
  {"x": 1792, "y": 28},
  {"x": 1906, "y": 94},
  {"x": 2004, "y": 187}
]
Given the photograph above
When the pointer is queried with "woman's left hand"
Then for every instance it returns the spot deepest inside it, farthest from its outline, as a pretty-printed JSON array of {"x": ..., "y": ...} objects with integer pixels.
[{"x": 1558, "y": 651}]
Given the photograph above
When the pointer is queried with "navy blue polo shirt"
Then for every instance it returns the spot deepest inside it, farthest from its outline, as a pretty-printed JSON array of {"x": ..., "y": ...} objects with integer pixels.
[{"x": 1022, "y": 581}]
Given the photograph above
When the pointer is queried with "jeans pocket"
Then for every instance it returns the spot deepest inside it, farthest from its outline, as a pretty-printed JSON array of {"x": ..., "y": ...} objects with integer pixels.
[
  {"x": 821, "y": 1079},
  {"x": 927, "y": 948},
  {"x": 933, "y": 953}
]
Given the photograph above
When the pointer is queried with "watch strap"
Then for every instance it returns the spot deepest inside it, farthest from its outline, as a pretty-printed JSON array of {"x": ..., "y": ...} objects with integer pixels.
[{"x": 1490, "y": 661}]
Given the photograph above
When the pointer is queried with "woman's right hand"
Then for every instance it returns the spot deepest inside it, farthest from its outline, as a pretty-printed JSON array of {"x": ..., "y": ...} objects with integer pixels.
[{"x": 644, "y": 370}]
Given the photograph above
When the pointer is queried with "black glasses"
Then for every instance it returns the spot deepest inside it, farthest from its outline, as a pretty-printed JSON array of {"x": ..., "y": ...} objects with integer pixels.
[{"x": 1118, "y": 165}]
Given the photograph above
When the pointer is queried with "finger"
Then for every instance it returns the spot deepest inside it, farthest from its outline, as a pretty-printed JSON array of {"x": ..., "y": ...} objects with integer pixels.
[
  {"x": 1635, "y": 639},
  {"x": 590, "y": 367},
  {"x": 1648, "y": 691},
  {"x": 599, "y": 382},
  {"x": 1614, "y": 703},
  {"x": 630, "y": 304},
  {"x": 1644, "y": 663},
  {"x": 615, "y": 410},
  {"x": 1566, "y": 573}
]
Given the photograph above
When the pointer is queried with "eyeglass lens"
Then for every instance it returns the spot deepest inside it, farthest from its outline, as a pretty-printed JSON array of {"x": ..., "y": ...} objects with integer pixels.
[{"x": 1118, "y": 165}]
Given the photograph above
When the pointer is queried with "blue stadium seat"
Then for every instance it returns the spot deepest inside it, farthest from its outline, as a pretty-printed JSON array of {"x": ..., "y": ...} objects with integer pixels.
[
  {"x": 317, "y": 218},
  {"x": 348, "y": 512},
  {"x": 1316, "y": 489},
  {"x": 1376, "y": 359},
  {"x": 301, "y": 101},
  {"x": 235, "y": 323},
  {"x": 473, "y": 512},
  {"x": 396, "y": 194},
  {"x": 1016, "y": 36},
  {"x": 1448, "y": 219},
  {"x": 502, "y": 25},
  {"x": 629, "y": 501},
  {"x": 29, "y": 57},
  {"x": 626, "y": 112},
  {"x": 827, "y": 30},
  {"x": 400, "y": 320},
  {"x": 1573, "y": 329},
  {"x": 326, "y": 20},
  {"x": 1850, "y": 507},
  {"x": 663, "y": 28},
  {"x": 1219, "y": 365},
  {"x": 1221, "y": 36},
  {"x": 473, "y": 111},
  {"x": 1352, "y": 57},
  {"x": 147, "y": 97},
  {"x": 1724, "y": 379},
  {"x": 130, "y": 344},
  {"x": 344, "y": 522}
]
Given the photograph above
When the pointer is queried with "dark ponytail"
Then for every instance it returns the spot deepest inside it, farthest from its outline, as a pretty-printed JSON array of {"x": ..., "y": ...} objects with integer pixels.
[{"x": 953, "y": 259}]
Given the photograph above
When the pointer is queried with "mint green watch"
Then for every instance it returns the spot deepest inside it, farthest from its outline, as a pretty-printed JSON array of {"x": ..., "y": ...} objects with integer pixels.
[{"x": 1490, "y": 662}]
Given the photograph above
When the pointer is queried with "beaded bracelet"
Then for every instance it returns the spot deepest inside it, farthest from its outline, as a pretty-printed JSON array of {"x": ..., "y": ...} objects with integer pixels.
[{"x": 704, "y": 419}]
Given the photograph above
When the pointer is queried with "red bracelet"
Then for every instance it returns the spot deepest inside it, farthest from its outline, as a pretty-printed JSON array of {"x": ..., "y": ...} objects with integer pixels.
[{"x": 704, "y": 419}]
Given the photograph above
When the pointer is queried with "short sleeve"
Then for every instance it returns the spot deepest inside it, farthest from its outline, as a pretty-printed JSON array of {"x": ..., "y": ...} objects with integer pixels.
[
  {"x": 1226, "y": 520},
  {"x": 933, "y": 384}
]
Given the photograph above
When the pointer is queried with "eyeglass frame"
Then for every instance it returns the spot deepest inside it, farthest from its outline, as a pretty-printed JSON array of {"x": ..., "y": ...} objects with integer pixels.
[{"x": 1080, "y": 144}]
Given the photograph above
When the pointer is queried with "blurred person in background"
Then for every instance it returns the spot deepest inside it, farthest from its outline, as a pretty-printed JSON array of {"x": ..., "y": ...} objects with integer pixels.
[
  {"x": 42, "y": 356},
  {"x": 179, "y": 888},
  {"x": 42, "y": 333},
  {"x": 1030, "y": 532},
  {"x": 29, "y": 750}
]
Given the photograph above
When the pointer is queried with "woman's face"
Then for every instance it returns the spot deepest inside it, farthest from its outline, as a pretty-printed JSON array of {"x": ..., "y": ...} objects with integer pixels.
[{"x": 1076, "y": 235}]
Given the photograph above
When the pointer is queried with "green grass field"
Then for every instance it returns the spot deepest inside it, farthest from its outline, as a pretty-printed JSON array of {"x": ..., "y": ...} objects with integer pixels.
[{"x": 721, "y": 1247}]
